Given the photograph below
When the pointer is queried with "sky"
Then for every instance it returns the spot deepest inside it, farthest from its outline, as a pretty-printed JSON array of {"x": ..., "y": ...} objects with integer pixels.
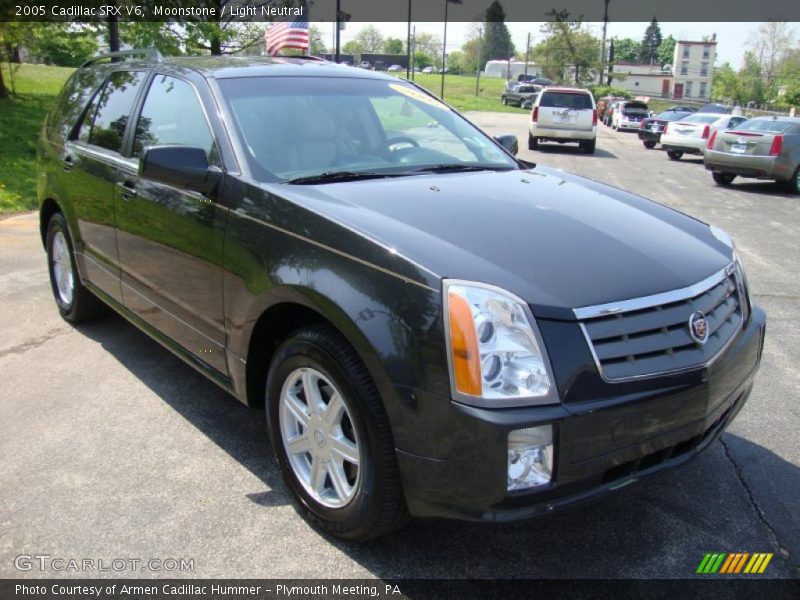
[{"x": 731, "y": 37}]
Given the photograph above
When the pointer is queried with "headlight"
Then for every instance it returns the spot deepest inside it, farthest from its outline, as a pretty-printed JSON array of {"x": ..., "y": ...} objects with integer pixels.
[
  {"x": 742, "y": 286},
  {"x": 495, "y": 352}
]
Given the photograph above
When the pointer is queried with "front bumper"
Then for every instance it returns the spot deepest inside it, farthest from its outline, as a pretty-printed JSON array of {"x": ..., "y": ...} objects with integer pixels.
[{"x": 599, "y": 446}]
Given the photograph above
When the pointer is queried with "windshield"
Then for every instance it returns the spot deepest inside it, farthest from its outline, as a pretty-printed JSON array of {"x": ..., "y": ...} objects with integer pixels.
[
  {"x": 765, "y": 125},
  {"x": 299, "y": 127},
  {"x": 671, "y": 115},
  {"x": 700, "y": 119}
]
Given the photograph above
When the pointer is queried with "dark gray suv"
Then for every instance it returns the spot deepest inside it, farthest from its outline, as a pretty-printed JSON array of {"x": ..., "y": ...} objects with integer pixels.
[{"x": 434, "y": 327}]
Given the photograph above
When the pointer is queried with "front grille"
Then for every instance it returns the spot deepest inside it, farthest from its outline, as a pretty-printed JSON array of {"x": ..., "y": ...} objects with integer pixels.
[{"x": 645, "y": 341}]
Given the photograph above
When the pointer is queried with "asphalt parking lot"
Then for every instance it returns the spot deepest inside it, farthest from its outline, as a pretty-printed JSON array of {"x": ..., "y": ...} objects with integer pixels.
[{"x": 113, "y": 448}]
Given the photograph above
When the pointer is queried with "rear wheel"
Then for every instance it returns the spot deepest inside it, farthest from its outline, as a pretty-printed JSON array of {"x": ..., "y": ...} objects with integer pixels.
[
  {"x": 505, "y": 101},
  {"x": 723, "y": 178},
  {"x": 649, "y": 145},
  {"x": 674, "y": 154},
  {"x": 588, "y": 146},
  {"x": 533, "y": 143},
  {"x": 75, "y": 302},
  {"x": 793, "y": 185},
  {"x": 331, "y": 436}
]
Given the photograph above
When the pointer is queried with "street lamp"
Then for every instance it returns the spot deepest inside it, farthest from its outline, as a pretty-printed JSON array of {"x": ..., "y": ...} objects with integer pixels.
[{"x": 444, "y": 44}]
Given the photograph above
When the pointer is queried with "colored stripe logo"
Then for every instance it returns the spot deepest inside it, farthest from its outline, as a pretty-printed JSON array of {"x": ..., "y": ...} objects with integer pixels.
[{"x": 733, "y": 563}]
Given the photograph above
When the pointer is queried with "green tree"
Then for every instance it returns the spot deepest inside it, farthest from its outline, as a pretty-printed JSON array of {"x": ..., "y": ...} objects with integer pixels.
[
  {"x": 751, "y": 76},
  {"x": 651, "y": 43},
  {"x": 469, "y": 61},
  {"x": 627, "y": 50},
  {"x": 316, "y": 47},
  {"x": 393, "y": 46},
  {"x": 455, "y": 62},
  {"x": 422, "y": 59},
  {"x": 728, "y": 85},
  {"x": 370, "y": 38},
  {"x": 355, "y": 48},
  {"x": 568, "y": 51},
  {"x": 666, "y": 51},
  {"x": 63, "y": 44},
  {"x": 497, "y": 44}
]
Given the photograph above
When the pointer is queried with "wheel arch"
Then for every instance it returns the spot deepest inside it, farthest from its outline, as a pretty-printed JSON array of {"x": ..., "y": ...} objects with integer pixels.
[{"x": 48, "y": 208}]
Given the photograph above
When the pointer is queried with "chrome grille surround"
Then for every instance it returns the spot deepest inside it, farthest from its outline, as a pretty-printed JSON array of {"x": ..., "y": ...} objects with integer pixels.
[{"x": 649, "y": 336}]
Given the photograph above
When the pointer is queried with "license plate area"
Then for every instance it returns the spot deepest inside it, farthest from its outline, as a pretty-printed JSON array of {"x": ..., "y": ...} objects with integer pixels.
[{"x": 739, "y": 148}]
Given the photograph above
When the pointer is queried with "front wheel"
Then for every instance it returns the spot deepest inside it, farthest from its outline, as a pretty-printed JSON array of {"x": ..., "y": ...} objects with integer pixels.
[
  {"x": 533, "y": 142},
  {"x": 674, "y": 154},
  {"x": 75, "y": 302},
  {"x": 505, "y": 101},
  {"x": 649, "y": 145},
  {"x": 331, "y": 436},
  {"x": 723, "y": 178}
]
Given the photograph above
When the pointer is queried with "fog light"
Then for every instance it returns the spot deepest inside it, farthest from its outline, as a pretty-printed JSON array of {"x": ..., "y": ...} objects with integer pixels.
[{"x": 530, "y": 457}]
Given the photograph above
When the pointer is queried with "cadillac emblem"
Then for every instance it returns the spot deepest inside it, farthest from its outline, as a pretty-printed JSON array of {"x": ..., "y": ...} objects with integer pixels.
[{"x": 698, "y": 327}]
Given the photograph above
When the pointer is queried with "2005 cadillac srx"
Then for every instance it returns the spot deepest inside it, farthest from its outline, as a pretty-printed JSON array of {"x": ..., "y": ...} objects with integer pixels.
[{"x": 433, "y": 327}]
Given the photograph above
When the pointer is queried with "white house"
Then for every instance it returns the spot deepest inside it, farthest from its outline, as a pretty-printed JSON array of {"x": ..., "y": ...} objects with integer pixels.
[{"x": 688, "y": 77}]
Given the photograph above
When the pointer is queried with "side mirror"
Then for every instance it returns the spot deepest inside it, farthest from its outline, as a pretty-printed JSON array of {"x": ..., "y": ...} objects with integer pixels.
[
  {"x": 180, "y": 166},
  {"x": 509, "y": 142}
]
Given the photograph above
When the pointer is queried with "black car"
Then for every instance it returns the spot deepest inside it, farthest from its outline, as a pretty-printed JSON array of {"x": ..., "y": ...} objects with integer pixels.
[
  {"x": 433, "y": 327},
  {"x": 651, "y": 128}
]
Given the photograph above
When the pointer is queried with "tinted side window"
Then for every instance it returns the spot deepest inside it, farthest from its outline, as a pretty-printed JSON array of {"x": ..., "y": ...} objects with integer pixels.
[
  {"x": 172, "y": 114},
  {"x": 73, "y": 98},
  {"x": 565, "y": 100},
  {"x": 111, "y": 110}
]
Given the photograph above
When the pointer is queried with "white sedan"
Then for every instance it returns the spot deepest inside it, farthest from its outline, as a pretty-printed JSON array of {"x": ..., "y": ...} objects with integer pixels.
[{"x": 688, "y": 135}]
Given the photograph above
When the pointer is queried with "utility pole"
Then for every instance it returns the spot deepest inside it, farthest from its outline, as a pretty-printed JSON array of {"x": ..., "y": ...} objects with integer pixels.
[
  {"x": 413, "y": 50},
  {"x": 527, "y": 53},
  {"x": 408, "y": 44},
  {"x": 603, "y": 45},
  {"x": 338, "y": 29},
  {"x": 478, "y": 75}
]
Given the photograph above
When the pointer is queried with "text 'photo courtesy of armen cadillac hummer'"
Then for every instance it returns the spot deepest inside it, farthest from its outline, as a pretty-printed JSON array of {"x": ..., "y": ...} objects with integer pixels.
[{"x": 433, "y": 327}]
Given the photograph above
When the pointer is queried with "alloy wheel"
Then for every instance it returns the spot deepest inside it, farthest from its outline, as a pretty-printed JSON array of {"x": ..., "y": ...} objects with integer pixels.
[
  {"x": 62, "y": 268},
  {"x": 319, "y": 437}
]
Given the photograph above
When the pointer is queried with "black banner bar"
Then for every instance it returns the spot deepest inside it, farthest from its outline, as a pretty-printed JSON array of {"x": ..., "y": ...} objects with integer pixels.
[{"x": 395, "y": 10}]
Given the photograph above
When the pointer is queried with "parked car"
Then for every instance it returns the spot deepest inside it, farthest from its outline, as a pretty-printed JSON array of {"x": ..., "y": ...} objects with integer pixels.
[
  {"x": 380, "y": 65},
  {"x": 428, "y": 70},
  {"x": 761, "y": 148},
  {"x": 726, "y": 122},
  {"x": 650, "y": 129},
  {"x": 688, "y": 135},
  {"x": 395, "y": 68},
  {"x": 715, "y": 108},
  {"x": 274, "y": 224},
  {"x": 680, "y": 108},
  {"x": 629, "y": 114},
  {"x": 519, "y": 94},
  {"x": 528, "y": 104},
  {"x": 564, "y": 115},
  {"x": 365, "y": 64}
]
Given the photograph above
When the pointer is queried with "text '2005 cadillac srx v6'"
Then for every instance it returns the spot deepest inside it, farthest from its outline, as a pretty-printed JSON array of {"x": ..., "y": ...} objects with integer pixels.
[{"x": 434, "y": 327}]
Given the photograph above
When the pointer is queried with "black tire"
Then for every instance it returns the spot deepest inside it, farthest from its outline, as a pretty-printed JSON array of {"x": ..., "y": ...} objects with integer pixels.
[
  {"x": 793, "y": 185},
  {"x": 649, "y": 144},
  {"x": 723, "y": 178},
  {"x": 588, "y": 147},
  {"x": 533, "y": 143},
  {"x": 83, "y": 306},
  {"x": 674, "y": 154},
  {"x": 505, "y": 101},
  {"x": 377, "y": 506}
]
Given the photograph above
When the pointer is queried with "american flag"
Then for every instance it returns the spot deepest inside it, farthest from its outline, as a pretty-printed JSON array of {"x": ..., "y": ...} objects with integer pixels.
[{"x": 286, "y": 34}]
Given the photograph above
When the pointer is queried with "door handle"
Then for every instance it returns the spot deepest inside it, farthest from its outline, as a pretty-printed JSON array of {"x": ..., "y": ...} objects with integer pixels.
[
  {"x": 127, "y": 190},
  {"x": 67, "y": 162}
]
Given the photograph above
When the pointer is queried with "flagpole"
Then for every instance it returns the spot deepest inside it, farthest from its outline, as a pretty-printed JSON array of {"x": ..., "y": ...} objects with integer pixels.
[
  {"x": 338, "y": 26},
  {"x": 408, "y": 44}
]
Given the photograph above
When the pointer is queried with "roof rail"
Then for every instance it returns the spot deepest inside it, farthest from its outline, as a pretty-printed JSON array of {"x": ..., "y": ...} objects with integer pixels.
[{"x": 148, "y": 53}]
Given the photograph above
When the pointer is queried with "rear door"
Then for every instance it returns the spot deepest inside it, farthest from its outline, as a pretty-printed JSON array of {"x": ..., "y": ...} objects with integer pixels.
[
  {"x": 566, "y": 110},
  {"x": 170, "y": 239},
  {"x": 94, "y": 168}
]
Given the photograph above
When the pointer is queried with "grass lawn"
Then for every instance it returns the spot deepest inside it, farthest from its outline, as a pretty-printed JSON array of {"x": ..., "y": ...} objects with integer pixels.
[
  {"x": 459, "y": 92},
  {"x": 20, "y": 121}
]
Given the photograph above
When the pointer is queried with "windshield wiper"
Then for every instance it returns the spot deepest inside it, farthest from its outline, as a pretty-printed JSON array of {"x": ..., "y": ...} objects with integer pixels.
[
  {"x": 334, "y": 176},
  {"x": 456, "y": 167}
]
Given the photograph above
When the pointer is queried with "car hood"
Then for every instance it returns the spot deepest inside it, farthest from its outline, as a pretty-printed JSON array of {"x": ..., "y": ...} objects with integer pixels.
[{"x": 556, "y": 240}]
